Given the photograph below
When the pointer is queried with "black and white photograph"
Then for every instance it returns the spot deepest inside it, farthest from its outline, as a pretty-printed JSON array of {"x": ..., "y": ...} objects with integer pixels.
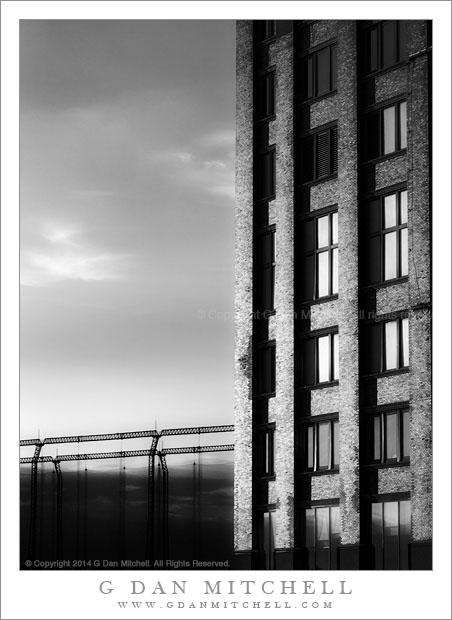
[{"x": 223, "y": 364}]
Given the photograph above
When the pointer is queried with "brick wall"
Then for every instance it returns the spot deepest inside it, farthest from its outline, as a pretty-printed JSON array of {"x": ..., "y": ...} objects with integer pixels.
[{"x": 243, "y": 290}]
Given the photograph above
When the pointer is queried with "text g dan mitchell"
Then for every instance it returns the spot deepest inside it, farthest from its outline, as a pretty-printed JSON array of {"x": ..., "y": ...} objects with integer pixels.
[{"x": 222, "y": 588}]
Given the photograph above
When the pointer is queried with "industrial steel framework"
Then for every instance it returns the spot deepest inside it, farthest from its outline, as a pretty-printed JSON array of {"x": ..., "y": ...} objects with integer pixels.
[{"x": 152, "y": 453}]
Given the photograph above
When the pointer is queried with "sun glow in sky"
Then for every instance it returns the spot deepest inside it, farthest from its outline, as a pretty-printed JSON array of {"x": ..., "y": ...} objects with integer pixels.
[{"x": 127, "y": 228}]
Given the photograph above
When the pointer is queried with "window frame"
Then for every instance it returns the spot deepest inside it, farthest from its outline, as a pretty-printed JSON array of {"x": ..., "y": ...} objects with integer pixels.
[
  {"x": 262, "y": 267},
  {"x": 402, "y": 560},
  {"x": 380, "y": 339},
  {"x": 333, "y": 372},
  {"x": 258, "y": 381},
  {"x": 314, "y": 253},
  {"x": 377, "y": 117},
  {"x": 265, "y": 439},
  {"x": 400, "y": 41},
  {"x": 259, "y": 174},
  {"x": 313, "y": 86},
  {"x": 314, "y": 424},
  {"x": 332, "y": 549},
  {"x": 265, "y": 100},
  {"x": 381, "y": 232},
  {"x": 381, "y": 417},
  {"x": 264, "y": 30},
  {"x": 309, "y": 154}
]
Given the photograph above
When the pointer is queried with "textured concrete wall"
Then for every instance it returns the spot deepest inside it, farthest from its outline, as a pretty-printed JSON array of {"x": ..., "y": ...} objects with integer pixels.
[
  {"x": 325, "y": 400},
  {"x": 394, "y": 480},
  {"x": 284, "y": 295},
  {"x": 243, "y": 290},
  {"x": 393, "y": 389},
  {"x": 322, "y": 31},
  {"x": 392, "y": 298},
  {"x": 390, "y": 172},
  {"x": 324, "y": 314},
  {"x": 323, "y": 111},
  {"x": 390, "y": 84},
  {"x": 324, "y": 194},
  {"x": 348, "y": 283},
  {"x": 325, "y": 487},
  {"x": 419, "y": 286}
]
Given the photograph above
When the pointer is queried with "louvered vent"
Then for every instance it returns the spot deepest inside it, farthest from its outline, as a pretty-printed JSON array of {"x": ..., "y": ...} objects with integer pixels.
[
  {"x": 334, "y": 150},
  {"x": 323, "y": 154}
]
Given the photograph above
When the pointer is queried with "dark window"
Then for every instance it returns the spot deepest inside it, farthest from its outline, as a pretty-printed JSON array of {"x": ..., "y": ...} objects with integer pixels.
[
  {"x": 320, "y": 361},
  {"x": 385, "y": 131},
  {"x": 320, "y": 73},
  {"x": 266, "y": 95},
  {"x": 385, "y": 44},
  {"x": 265, "y": 376},
  {"x": 320, "y": 237},
  {"x": 264, "y": 29},
  {"x": 266, "y": 174},
  {"x": 267, "y": 528},
  {"x": 321, "y": 445},
  {"x": 391, "y": 531},
  {"x": 265, "y": 271},
  {"x": 388, "y": 237},
  {"x": 390, "y": 432},
  {"x": 389, "y": 345},
  {"x": 265, "y": 442},
  {"x": 322, "y": 537},
  {"x": 319, "y": 155}
]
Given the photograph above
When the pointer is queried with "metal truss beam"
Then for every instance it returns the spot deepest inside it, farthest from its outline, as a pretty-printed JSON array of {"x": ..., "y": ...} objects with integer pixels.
[
  {"x": 195, "y": 430},
  {"x": 89, "y": 456}
]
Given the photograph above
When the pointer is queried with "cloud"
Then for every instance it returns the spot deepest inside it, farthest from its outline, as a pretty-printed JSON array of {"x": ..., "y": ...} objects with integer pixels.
[
  {"x": 223, "y": 190},
  {"x": 214, "y": 164},
  {"x": 63, "y": 256}
]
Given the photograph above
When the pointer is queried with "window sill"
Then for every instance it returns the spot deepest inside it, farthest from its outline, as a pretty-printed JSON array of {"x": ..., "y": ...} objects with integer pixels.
[
  {"x": 388, "y": 465},
  {"x": 312, "y": 100},
  {"x": 320, "y": 300},
  {"x": 264, "y": 396},
  {"x": 265, "y": 478},
  {"x": 379, "y": 72},
  {"x": 321, "y": 472},
  {"x": 329, "y": 177},
  {"x": 318, "y": 386},
  {"x": 382, "y": 158},
  {"x": 387, "y": 283},
  {"x": 388, "y": 373},
  {"x": 265, "y": 119}
]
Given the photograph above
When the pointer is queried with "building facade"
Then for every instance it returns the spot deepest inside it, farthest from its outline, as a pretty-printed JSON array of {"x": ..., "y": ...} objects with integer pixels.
[{"x": 333, "y": 447}]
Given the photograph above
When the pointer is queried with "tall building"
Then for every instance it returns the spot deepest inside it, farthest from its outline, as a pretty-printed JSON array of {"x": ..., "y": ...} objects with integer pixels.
[{"x": 333, "y": 458}]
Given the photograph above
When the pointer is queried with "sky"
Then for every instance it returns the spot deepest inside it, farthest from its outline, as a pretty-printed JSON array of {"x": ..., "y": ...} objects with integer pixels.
[{"x": 126, "y": 225}]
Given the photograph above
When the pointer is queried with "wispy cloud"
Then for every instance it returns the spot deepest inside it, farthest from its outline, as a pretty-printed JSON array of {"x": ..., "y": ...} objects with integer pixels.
[{"x": 63, "y": 256}]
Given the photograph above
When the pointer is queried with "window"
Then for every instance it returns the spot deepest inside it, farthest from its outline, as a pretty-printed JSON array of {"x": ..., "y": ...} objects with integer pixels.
[
  {"x": 389, "y": 346},
  {"x": 266, "y": 95},
  {"x": 321, "y": 445},
  {"x": 264, "y": 29},
  {"x": 267, "y": 528},
  {"x": 265, "y": 271},
  {"x": 391, "y": 531},
  {"x": 319, "y": 155},
  {"x": 385, "y": 45},
  {"x": 265, "y": 375},
  {"x": 266, "y": 174},
  {"x": 386, "y": 131},
  {"x": 265, "y": 438},
  {"x": 320, "y": 361},
  {"x": 320, "y": 236},
  {"x": 320, "y": 72},
  {"x": 388, "y": 237},
  {"x": 322, "y": 537},
  {"x": 391, "y": 436}
]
